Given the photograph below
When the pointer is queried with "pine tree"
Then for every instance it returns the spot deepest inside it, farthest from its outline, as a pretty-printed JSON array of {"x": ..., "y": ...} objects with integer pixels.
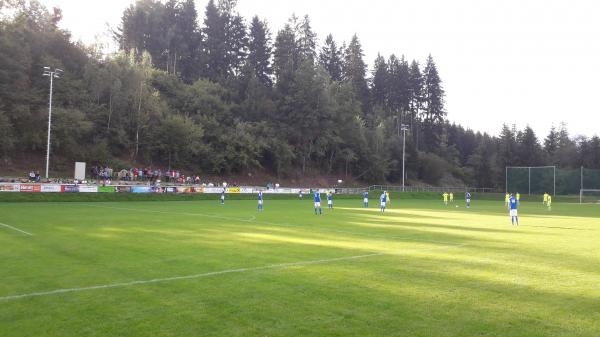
[
  {"x": 530, "y": 151},
  {"x": 433, "y": 112},
  {"x": 354, "y": 71},
  {"x": 551, "y": 143},
  {"x": 285, "y": 56},
  {"x": 225, "y": 40},
  {"x": 380, "y": 82},
  {"x": 399, "y": 88},
  {"x": 415, "y": 84},
  {"x": 307, "y": 41},
  {"x": 214, "y": 43},
  {"x": 187, "y": 42},
  {"x": 259, "y": 51},
  {"x": 235, "y": 38},
  {"x": 330, "y": 58}
]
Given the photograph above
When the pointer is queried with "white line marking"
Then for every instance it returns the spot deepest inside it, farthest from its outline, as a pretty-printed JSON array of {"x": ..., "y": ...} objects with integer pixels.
[
  {"x": 15, "y": 229},
  {"x": 187, "y": 277},
  {"x": 214, "y": 273}
]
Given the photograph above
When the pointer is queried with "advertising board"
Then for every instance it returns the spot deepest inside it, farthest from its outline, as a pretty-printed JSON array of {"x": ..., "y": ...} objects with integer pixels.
[{"x": 50, "y": 188}]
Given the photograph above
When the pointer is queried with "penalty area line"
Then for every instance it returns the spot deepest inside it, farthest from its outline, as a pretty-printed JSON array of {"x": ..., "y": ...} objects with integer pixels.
[
  {"x": 188, "y": 277},
  {"x": 15, "y": 229}
]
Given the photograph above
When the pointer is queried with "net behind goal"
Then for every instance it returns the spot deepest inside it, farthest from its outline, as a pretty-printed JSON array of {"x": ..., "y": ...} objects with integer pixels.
[
  {"x": 531, "y": 180},
  {"x": 589, "y": 196}
]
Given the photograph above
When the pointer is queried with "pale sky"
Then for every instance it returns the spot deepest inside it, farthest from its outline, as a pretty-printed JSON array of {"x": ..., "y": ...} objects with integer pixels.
[{"x": 520, "y": 62}]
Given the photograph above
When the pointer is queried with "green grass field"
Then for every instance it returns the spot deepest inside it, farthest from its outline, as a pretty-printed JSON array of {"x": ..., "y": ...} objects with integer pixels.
[{"x": 196, "y": 268}]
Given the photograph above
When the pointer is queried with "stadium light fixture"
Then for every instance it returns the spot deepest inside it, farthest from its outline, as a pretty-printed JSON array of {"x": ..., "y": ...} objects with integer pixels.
[
  {"x": 404, "y": 128},
  {"x": 56, "y": 73}
]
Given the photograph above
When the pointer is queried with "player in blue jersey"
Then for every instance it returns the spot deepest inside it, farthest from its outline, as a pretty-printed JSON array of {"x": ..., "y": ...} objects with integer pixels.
[
  {"x": 223, "y": 197},
  {"x": 512, "y": 205},
  {"x": 330, "y": 200},
  {"x": 468, "y": 199},
  {"x": 366, "y": 199},
  {"x": 318, "y": 203},
  {"x": 260, "y": 201},
  {"x": 383, "y": 200}
]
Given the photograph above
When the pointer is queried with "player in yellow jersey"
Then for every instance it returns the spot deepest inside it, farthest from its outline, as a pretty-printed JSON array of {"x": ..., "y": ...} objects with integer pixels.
[
  {"x": 389, "y": 201},
  {"x": 506, "y": 198},
  {"x": 445, "y": 195},
  {"x": 518, "y": 198},
  {"x": 451, "y": 197},
  {"x": 549, "y": 202},
  {"x": 545, "y": 198}
]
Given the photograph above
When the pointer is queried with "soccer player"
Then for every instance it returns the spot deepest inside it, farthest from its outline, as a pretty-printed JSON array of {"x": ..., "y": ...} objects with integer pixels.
[
  {"x": 512, "y": 202},
  {"x": 468, "y": 199},
  {"x": 366, "y": 199},
  {"x": 545, "y": 198},
  {"x": 330, "y": 200},
  {"x": 518, "y": 198},
  {"x": 387, "y": 198},
  {"x": 260, "y": 201},
  {"x": 445, "y": 196},
  {"x": 300, "y": 195},
  {"x": 506, "y": 199},
  {"x": 382, "y": 200},
  {"x": 451, "y": 197},
  {"x": 549, "y": 202},
  {"x": 223, "y": 197},
  {"x": 318, "y": 203}
]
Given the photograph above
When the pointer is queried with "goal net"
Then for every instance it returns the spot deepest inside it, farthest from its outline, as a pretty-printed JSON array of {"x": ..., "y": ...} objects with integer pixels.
[
  {"x": 589, "y": 196},
  {"x": 531, "y": 179}
]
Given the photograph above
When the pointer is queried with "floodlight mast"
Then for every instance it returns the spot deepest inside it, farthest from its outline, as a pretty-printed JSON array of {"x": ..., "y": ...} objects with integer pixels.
[{"x": 52, "y": 74}]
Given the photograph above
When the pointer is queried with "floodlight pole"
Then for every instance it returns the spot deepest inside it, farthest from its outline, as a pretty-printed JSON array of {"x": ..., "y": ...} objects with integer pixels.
[
  {"x": 52, "y": 74},
  {"x": 404, "y": 129}
]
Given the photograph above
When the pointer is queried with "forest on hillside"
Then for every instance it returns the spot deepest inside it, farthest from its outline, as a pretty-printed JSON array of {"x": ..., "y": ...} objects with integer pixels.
[{"x": 213, "y": 92}]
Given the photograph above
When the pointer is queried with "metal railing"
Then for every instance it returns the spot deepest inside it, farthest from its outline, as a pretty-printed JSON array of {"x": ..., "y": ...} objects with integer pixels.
[{"x": 436, "y": 189}]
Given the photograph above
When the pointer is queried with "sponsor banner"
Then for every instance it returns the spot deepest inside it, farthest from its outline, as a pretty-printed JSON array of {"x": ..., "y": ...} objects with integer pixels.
[
  {"x": 107, "y": 189},
  {"x": 69, "y": 188},
  {"x": 51, "y": 189},
  {"x": 233, "y": 190},
  {"x": 213, "y": 190},
  {"x": 141, "y": 189},
  {"x": 10, "y": 188},
  {"x": 247, "y": 190},
  {"x": 279, "y": 191},
  {"x": 87, "y": 189},
  {"x": 189, "y": 189},
  {"x": 170, "y": 189},
  {"x": 123, "y": 189},
  {"x": 30, "y": 188}
]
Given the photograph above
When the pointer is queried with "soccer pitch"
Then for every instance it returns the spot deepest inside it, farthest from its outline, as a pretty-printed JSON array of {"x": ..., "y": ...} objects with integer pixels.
[{"x": 200, "y": 268}]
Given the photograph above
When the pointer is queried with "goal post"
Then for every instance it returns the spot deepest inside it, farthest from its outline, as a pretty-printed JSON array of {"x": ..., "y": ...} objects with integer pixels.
[
  {"x": 530, "y": 179},
  {"x": 589, "y": 196}
]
